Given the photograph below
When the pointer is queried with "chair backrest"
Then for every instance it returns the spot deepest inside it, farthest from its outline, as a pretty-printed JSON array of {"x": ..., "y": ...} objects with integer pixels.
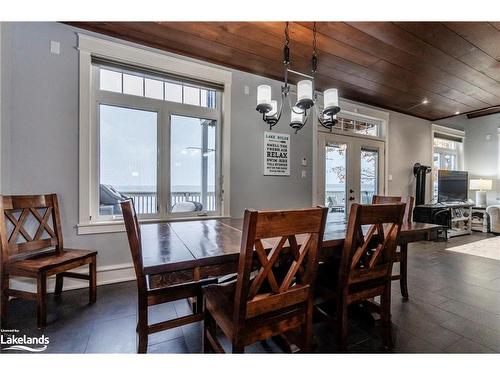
[
  {"x": 297, "y": 235},
  {"x": 369, "y": 257},
  {"x": 409, "y": 201},
  {"x": 29, "y": 225},
  {"x": 134, "y": 240}
]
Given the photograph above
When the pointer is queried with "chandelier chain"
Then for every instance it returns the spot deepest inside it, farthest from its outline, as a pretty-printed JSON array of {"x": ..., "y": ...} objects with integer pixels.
[
  {"x": 314, "y": 39},
  {"x": 287, "y": 35}
]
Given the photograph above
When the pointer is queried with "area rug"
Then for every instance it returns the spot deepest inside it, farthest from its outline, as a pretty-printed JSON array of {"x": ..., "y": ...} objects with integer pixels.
[{"x": 487, "y": 248}]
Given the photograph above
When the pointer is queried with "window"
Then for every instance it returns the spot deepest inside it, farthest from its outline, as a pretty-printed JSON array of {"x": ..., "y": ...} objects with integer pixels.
[
  {"x": 447, "y": 154},
  {"x": 141, "y": 84},
  {"x": 129, "y": 145},
  {"x": 151, "y": 136},
  {"x": 362, "y": 127}
]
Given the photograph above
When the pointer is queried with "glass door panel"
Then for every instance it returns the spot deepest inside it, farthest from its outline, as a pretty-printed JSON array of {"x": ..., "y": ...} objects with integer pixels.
[
  {"x": 128, "y": 159},
  {"x": 336, "y": 181},
  {"x": 369, "y": 175},
  {"x": 193, "y": 165}
]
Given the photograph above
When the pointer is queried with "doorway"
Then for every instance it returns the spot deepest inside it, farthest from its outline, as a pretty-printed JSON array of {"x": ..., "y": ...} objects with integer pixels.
[{"x": 350, "y": 169}]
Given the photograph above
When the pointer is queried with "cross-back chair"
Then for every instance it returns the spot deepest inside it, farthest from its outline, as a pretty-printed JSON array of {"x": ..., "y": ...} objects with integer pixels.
[
  {"x": 32, "y": 246},
  {"x": 402, "y": 254},
  {"x": 365, "y": 267},
  {"x": 148, "y": 296},
  {"x": 267, "y": 302}
]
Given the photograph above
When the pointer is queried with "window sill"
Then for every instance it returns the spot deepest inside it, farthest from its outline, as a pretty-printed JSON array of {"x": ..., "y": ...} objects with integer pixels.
[{"x": 117, "y": 226}]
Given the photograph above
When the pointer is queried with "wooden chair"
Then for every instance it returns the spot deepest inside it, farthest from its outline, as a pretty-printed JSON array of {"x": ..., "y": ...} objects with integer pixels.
[
  {"x": 365, "y": 267},
  {"x": 32, "y": 247},
  {"x": 150, "y": 297},
  {"x": 402, "y": 254},
  {"x": 267, "y": 305}
]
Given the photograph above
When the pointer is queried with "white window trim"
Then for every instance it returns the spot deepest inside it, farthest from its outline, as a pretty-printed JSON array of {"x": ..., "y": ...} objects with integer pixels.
[{"x": 90, "y": 46}]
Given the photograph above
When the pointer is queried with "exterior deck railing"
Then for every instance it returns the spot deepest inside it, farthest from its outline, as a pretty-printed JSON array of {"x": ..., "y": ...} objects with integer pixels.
[{"x": 147, "y": 202}]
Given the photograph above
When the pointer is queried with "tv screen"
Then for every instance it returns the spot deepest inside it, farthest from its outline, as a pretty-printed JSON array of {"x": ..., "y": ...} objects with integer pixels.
[{"x": 452, "y": 186}]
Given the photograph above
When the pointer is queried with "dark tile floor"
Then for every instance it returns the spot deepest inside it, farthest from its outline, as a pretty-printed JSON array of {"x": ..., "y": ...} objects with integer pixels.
[{"x": 454, "y": 307}]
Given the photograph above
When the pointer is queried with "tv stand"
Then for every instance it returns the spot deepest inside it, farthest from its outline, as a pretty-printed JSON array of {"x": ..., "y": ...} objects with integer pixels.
[{"x": 455, "y": 216}]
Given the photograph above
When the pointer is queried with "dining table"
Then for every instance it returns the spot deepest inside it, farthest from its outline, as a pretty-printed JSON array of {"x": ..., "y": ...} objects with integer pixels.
[{"x": 179, "y": 252}]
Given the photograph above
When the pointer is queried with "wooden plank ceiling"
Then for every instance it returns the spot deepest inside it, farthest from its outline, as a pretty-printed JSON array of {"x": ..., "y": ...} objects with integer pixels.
[{"x": 395, "y": 65}]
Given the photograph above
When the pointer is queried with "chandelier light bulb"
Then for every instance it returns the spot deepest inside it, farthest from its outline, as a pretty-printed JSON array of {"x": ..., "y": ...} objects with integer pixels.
[
  {"x": 274, "y": 109},
  {"x": 304, "y": 90},
  {"x": 331, "y": 98},
  {"x": 264, "y": 99},
  {"x": 296, "y": 116}
]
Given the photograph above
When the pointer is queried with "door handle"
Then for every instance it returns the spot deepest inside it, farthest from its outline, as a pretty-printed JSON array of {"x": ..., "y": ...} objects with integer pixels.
[
  {"x": 351, "y": 191},
  {"x": 351, "y": 198}
]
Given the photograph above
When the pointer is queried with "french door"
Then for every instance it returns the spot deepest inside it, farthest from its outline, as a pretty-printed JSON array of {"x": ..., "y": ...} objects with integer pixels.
[{"x": 350, "y": 169}]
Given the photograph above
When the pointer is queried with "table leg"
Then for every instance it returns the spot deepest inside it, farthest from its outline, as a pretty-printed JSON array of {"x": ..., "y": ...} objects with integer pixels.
[{"x": 403, "y": 271}]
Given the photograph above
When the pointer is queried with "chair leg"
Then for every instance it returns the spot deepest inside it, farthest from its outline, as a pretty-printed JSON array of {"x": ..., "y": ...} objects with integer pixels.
[
  {"x": 403, "y": 271},
  {"x": 59, "y": 285},
  {"x": 308, "y": 330},
  {"x": 92, "y": 281},
  {"x": 342, "y": 321},
  {"x": 208, "y": 327},
  {"x": 4, "y": 297},
  {"x": 41, "y": 291},
  {"x": 385, "y": 318},
  {"x": 142, "y": 326}
]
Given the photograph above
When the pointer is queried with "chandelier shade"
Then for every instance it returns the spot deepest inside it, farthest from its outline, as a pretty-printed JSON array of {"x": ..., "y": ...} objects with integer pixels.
[{"x": 264, "y": 104}]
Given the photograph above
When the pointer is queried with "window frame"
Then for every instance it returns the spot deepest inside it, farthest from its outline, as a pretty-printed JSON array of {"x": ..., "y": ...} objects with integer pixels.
[
  {"x": 89, "y": 220},
  {"x": 458, "y": 152}
]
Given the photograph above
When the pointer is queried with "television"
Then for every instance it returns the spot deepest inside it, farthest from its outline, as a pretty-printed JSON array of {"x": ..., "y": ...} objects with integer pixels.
[{"x": 452, "y": 186}]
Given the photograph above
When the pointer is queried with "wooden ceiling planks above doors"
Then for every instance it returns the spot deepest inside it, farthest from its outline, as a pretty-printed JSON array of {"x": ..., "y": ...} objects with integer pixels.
[{"x": 454, "y": 65}]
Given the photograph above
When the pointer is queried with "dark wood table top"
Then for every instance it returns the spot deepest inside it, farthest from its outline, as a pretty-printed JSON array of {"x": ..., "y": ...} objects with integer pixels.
[{"x": 170, "y": 246}]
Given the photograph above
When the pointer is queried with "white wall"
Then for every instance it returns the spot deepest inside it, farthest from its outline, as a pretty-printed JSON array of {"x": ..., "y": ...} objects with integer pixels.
[
  {"x": 40, "y": 139},
  {"x": 409, "y": 142}
]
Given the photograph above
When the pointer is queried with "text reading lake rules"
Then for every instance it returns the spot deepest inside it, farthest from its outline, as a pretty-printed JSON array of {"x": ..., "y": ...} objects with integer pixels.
[{"x": 276, "y": 154}]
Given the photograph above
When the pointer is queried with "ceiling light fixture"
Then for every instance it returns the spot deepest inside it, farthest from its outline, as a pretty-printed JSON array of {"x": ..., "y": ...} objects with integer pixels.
[
  {"x": 457, "y": 112},
  {"x": 425, "y": 101},
  {"x": 306, "y": 97}
]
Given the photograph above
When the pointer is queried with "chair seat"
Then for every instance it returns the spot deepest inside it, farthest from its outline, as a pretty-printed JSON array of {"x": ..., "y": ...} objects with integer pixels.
[
  {"x": 46, "y": 262},
  {"x": 328, "y": 277}
]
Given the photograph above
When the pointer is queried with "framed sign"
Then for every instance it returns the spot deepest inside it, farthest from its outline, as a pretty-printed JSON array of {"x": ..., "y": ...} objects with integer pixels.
[{"x": 276, "y": 154}]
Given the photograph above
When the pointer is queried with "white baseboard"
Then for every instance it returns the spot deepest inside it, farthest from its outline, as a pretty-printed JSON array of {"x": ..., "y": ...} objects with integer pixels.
[{"x": 105, "y": 275}]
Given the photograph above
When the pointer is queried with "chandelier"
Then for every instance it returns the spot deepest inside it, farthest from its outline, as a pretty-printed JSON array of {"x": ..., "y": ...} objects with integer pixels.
[{"x": 306, "y": 98}]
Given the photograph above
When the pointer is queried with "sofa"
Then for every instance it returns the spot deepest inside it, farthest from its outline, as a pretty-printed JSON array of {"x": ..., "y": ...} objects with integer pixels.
[{"x": 494, "y": 218}]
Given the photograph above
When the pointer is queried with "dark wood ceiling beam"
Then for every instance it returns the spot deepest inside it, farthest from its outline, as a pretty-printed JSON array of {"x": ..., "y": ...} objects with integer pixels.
[
  {"x": 169, "y": 41},
  {"x": 392, "y": 66},
  {"x": 329, "y": 65},
  {"x": 445, "y": 39},
  {"x": 211, "y": 51},
  {"x": 401, "y": 64},
  {"x": 484, "y": 35},
  {"x": 489, "y": 90},
  {"x": 484, "y": 112}
]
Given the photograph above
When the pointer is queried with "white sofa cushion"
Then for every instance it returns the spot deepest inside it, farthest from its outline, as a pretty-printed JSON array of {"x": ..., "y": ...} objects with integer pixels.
[{"x": 494, "y": 214}]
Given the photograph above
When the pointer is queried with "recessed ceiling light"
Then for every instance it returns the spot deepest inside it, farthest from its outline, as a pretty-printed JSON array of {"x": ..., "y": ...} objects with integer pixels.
[
  {"x": 425, "y": 101},
  {"x": 457, "y": 112}
]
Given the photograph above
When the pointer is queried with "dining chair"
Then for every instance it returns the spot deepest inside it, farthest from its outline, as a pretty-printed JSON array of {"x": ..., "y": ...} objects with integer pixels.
[
  {"x": 32, "y": 246},
  {"x": 365, "y": 267},
  {"x": 148, "y": 296},
  {"x": 402, "y": 254},
  {"x": 269, "y": 301}
]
